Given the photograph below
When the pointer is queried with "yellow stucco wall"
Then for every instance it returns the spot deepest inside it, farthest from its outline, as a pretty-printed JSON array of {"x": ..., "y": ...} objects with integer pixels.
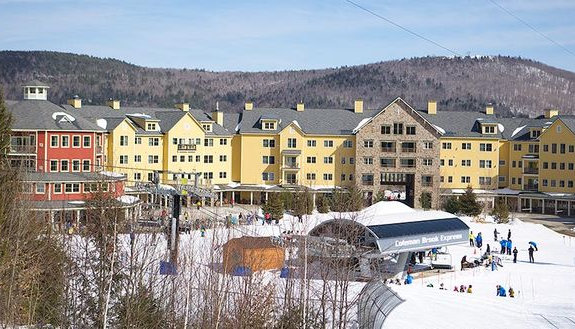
[{"x": 558, "y": 133}]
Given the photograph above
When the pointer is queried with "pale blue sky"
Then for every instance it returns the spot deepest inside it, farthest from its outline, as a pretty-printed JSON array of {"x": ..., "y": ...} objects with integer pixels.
[{"x": 277, "y": 35}]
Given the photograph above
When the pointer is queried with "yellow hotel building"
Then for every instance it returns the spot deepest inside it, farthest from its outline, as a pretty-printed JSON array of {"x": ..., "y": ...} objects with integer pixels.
[{"x": 528, "y": 162}]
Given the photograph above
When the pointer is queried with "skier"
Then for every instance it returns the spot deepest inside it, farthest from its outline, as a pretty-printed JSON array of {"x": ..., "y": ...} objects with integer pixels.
[
  {"x": 203, "y": 231},
  {"x": 495, "y": 233},
  {"x": 488, "y": 251},
  {"x": 503, "y": 244},
  {"x": 532, "y": 243},
  {"x": 469, "y": 290},
  {"x": 420, "y": 256},
  {"x": 509, "y": 245},
  {"x": 511, "y": 292},
  {"x": 531, "y": 259},
  {"x": 501, "y": 291},
  {"x": 462, "y": 288},
  {"x": 471, "y": 239},
  {"x": 509, "y": 234},
  {"x": 479, "y": 240},
  {"x": 514, "y": 256}
]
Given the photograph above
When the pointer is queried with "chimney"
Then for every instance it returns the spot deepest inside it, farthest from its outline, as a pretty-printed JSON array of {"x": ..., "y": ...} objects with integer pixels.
[
  {"x": 218, "y": 116},
  {"x": 549, "y": 113},
  {"x": 489, "y": 109},
  {"x": 113, "y": 103},
  {"x": 432, "y": 107},
  {"x": 358, "y": 106},
  {"x": 300, "y": 107},
  {"x": 249, "y": 106},
  {"x": 75, "y": 101},
  {"x": 185, "y": 107}
]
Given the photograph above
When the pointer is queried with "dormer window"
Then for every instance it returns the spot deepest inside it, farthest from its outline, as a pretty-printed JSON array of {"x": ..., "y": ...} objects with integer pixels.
[
  {"x": 535, "y": 133},
  {"x": 207, "y": 127},
  {"x": 269, "y": 125},
  {"x": 151, "y": 126},
  {"x": 489, "y": 129}
]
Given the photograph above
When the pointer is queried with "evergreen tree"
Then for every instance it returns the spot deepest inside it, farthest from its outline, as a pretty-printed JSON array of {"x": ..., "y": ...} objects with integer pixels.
[
  {"x": 274, "y": 206},
  {"x": 501, "y": 212},
  {"x": 468, "y": 204},
  {"x": 451, "y": 205},
  {"x": 322, "y": 203},
  {"x": 302, "y": 203},
  {"x": 425, "y": 200}
]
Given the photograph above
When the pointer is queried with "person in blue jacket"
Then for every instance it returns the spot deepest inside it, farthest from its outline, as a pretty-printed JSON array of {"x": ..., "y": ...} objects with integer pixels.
[
  {"x": 534, "y": 245},
  {"x": 408, "y": 279},
  {"x": 501, "y": 291},
  {"x": 508, "y": 247},
  {"x": 478, "y": 240},
  {"x": 503, "y": 244}
]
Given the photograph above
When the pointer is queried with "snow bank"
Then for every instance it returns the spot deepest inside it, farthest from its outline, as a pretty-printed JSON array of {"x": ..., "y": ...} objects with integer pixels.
[
  {"x": 112, "y": 174},
  {"x": 441, "y": 130},
  {"x": 140, "y": 115},
  {"x": 360, "y": 124},
  {"x": 233, "y": 184},
  {"x": 128, "y": 199}
]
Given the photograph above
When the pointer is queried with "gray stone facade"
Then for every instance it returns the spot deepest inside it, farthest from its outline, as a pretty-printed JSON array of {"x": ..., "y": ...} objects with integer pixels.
[{"x": 400, "y": 143}]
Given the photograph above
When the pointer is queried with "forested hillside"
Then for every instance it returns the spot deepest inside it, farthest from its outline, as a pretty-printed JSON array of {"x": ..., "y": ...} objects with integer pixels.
[{"x": 514, "y": 85}]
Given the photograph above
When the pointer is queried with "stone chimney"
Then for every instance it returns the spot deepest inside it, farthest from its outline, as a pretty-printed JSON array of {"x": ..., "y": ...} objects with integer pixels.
[
  {"x": 432, "y": 107},
  {"x": 248, "y": 106},
  {"x": 358, "y": 106},
  {"x": 549, "y": 113},
  {"x": 76, "y": 102},
  {"x": 489, "y": 110},
  {"x": 185, "y": 107},
  {"x": 300, "y": 107},
  {"x": 113, "y": 103}
]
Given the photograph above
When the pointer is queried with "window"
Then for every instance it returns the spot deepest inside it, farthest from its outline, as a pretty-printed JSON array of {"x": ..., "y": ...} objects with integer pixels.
[
  {"x": 386, "y": 130},
  {"x": 501, "y": 179},
  {"x": 153, "y": 141},
  {"x": 368, "y": 143},
  {"x": 553, "y": 165},
  {"x": 484, "y": 180},
  {"x": 40, "y": 188},
  {"x": 57, "y": 188},
  {"x": 426, "y": 180},
  {"x": 502, "y": 162},
  {"x": 175, "y": 141},
  {"x": 533, "y": 148},
  {"x": 466, "y": 163},
  {"x": 123, "y": 159},
  {"x": 151, "y": 126},
  {"x": 545, "y": 165},
  {"x": 311, "y": 143},
  {"x": 223, "y": 174},
  {"x": 570, "y": 165},
  {"x": 269, "y": 143},
  {"x": 545, "y": 147},
  {"x": 446, "y": 146},
  {"x": 208, "y": 175},
  {"x": 427, "y": 162},
  {"x": 562, "y": 148},
  {"x": 535, "y": 133},
  {"x": 484, "y": 163},
  {"x": 292, "y": 143},
  {"x": 513, "y": 164},
  {"x": 553, "y": 148},
  {"x": 223, "y": 141},
  {"x": 553, "y": 183},
  {"x": 513, "y": 180},
  {"x": 328, "y": 160},
  {"x": 450, "y": 179},
  {"x": 137, "y": 158},
  {"x": 123, "y": 140},
  {"x": 398, "y": 128},
  {"x": 450, "y": 162},
  {"x": 516, "y": 147},
  {"x": 310, "y": 159},
  {"x": 561, "y": 183},
  {"x": 351, "y": 160},
  {"x": 427, "y": 145},
  {"x": 65, "y": 141},
  {"x": 388, "y": 146},
  {"x": 562, "y": 166},
  {"x": 150, "y": 176},
  {"x": 153, "y": 159},
  {"x": 367, "y": 179},
  {"x": 441, "y": 179},
  {"x": 407, "y": 163},
  {"x": 342, "y": 160},
  {"x": 442, "y": 162},
  {"x": 343, "y": 177},
  {"x": 489, "y": 129},
  {"x": 328, "y": 143},
  {"x": 268, "y": 176},
  {"x": 208, "y": 142},
  {"x": 368, "y": 160},
  {"x": 137, "y": 176},
  {"x": 350, "y": 177},
  {"x": 53, "y": 165},
  {"x": 347, "y": 143},
  {"x": 466, "y": 146},
  {"x": 410, "y": 130},
  {"x": 268, "y": 159},
  {"x": 191, "y": 158},
  {"x": 182, "y": 158},
  {"x": 198, "y": 158},
  {"x": 327, "y": 176},
  {"x": 207, "y": 127},
  {"x": 86, "y": 141},
  {"x": 386, "y": 177},
  {"x": 485, "y": 147},
  {"x": 570, "y": 184},
  {"x": 310, "y": 176},
  {"x": 75, "y": 141},
  {"x": 64, "y": 165},
  {"x": 571, "y": 148},
  {"x": 72, "y": 188},
  {"x": 269, "y": 125},
  {"x": 466, "y": 179},
  {"x": 558, "y": 128},
  {"x": 138, "y": 140},
  {"x": 408, "y": 147},
  {"x": 54, "y": 141},
  {"x": 223, "y": 158},
  {"x": 387, "y": 162},
  {"x": 86, "y": 165},
  {"x": 208, "y": 159}
]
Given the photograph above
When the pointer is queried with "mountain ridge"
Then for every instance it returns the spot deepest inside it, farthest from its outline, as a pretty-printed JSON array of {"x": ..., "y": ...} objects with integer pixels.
[{"x": 516, "y": 86}]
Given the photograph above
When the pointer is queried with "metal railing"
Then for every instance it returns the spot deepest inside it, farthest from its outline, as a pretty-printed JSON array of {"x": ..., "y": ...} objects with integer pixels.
[
  {"x": 23, "y": 149},
  {"x": 531, "y": 187},
  {"x": 186, "y": 147},
  {"x": 527, "y": 170}
]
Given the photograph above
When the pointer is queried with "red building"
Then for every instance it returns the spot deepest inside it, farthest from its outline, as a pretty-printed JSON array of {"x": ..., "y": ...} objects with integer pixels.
[{"x": 61, "y": 155}]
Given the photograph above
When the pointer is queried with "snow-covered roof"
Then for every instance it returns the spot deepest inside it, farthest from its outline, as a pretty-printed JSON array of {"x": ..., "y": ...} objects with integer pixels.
[{"x": 361, "y": 124}]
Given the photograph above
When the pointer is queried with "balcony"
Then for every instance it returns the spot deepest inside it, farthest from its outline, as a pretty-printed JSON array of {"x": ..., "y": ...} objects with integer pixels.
[
  {"x": 408, "y": 149},
  {"x": 531, "y": 187},
  {"x": 291, "y": 166},
  {"x": 99, "y": 149},
  {"x": 530, "y": 171},
  {"x": 23, "y": 149},
  {"x": 186, "y": 147}
]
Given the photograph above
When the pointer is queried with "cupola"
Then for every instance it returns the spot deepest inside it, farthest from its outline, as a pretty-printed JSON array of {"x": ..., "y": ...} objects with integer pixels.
[{"x": 35, "y": 90}]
